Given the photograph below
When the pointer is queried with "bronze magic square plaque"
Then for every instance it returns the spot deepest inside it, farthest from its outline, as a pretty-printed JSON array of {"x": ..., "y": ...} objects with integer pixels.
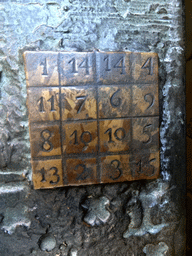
[{"x": 93, "y": 117}]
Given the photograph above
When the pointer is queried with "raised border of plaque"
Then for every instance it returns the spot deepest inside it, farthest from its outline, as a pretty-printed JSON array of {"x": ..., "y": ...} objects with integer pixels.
[{"x": 93, "y": 117}]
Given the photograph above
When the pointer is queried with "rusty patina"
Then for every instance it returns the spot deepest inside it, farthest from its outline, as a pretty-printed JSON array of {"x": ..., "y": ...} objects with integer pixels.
[{"x": 93, "y": 117}]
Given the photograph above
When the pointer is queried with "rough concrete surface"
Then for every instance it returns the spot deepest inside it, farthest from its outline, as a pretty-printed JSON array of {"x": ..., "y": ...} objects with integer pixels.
[{"x": 137, "y": 217}]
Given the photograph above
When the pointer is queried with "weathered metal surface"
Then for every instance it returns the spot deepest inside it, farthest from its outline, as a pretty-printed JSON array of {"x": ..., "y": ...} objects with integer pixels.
[
  {"x": 137, "y": 218},
  {"x": 93, "y": 117}
]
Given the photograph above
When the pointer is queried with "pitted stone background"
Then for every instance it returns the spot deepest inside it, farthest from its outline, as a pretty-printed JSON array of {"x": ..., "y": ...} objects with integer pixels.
[
  {"x": 189, "y": 121},
  {"x": 128, "y": 219}
]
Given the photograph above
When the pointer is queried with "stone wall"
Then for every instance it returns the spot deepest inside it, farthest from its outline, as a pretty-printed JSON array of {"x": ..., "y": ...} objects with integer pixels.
[
  {"x": 189, "y": 121},
  {"x": 132, "y": 218}
]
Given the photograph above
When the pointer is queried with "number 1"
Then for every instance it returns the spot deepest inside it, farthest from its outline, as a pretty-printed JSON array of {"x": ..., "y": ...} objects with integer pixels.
[
  {"x": 74, "y": 65},
  {"x": 44, "y": 64}
]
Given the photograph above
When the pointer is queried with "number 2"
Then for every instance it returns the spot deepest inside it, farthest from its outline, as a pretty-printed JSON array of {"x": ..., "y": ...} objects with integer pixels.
[
  {"x": 150, "y": 99},
  {"x": 85, "y": 174}
]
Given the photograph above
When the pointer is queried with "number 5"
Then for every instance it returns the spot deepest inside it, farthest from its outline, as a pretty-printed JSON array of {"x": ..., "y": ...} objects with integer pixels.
[{"x": 147, "y": 131}]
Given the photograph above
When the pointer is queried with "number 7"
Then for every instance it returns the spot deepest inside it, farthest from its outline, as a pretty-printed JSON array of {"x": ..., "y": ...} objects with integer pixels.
[{"x": 81, "y": 101}]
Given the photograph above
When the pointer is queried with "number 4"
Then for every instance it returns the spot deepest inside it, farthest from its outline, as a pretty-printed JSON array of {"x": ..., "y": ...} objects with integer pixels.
[
  {"x": 84, "y": 64},
  {"x": 121, "y": 64},
  {"x": 148, "y": 65}
]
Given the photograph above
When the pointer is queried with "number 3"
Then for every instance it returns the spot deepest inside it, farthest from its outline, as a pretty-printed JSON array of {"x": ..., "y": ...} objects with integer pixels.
[{"x": 116, "y": 163}]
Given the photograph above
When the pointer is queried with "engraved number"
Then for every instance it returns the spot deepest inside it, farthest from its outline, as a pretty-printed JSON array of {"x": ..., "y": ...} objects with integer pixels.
[
  {"x": 44, "y": 64},
  {"x": 84, "y": 64},
  {"x": 146, "y": 130},
  {"x": 119, "y": 134},
  {"x": 52, "y": 101},
  {"x": 47, "y": 146},
  {"x": 86, "y": 172},
  {"x": 115, "y": 102},
  {"x": 121, "y": 65},
  {"x": 75, "y": 135},
  {"x": 116, "y": 163},
  {"x": 150, "y": 99},
  {"x": 148, "y": 65},
  {"x": 74, "y": 65},
  {"x": 85, "y": 137},
  {"x": 55, "y": 174},
  {"x": 140, "y": 168},
  {"x": 41, "y": 103},
  {"x": 109, "y": 131},
  {"x": 43, "y": 172},
  {"x": 81, "y": 101},
  {"x": 106, "y": 59},
  {"x": 153, "y": 168}
]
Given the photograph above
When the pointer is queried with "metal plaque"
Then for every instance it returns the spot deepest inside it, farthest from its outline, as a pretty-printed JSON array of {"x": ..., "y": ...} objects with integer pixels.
[{"x": 93, "y": 117}]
